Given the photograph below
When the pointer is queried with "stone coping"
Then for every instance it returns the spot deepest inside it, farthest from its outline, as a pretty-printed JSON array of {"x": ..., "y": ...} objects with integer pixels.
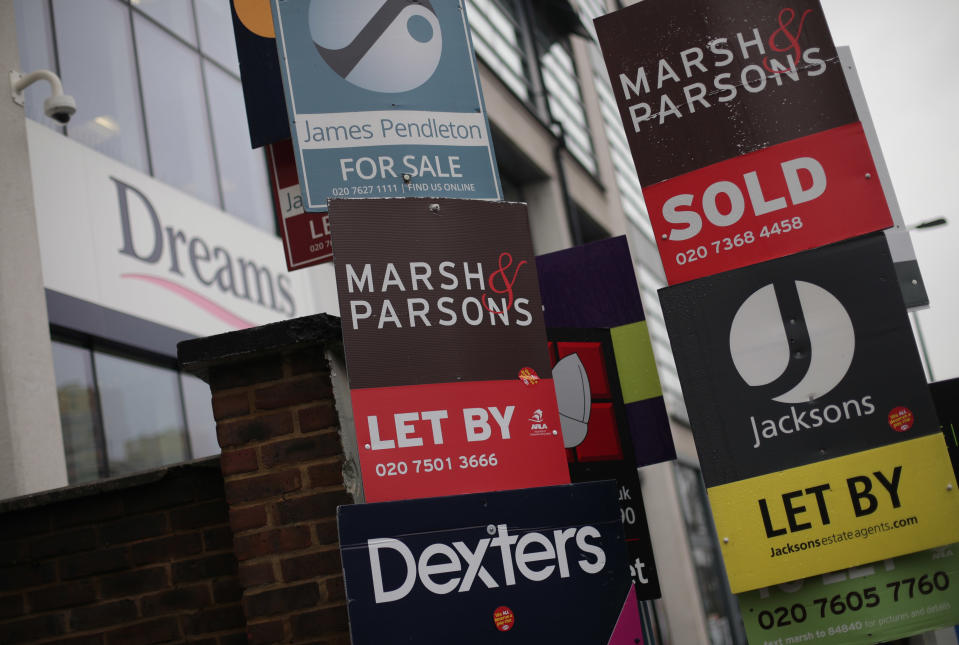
[{"x": 197, "y": 355}]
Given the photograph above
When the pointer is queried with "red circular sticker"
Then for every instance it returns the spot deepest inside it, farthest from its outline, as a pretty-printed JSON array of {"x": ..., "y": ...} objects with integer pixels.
[
  {"x": 901, "y": 419},
  {"x": 528, "y": 376},
  {"x": 504, "y": 618}
]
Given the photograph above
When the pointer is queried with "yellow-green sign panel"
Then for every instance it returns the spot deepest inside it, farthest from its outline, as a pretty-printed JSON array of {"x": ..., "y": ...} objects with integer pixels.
[
  {"x": 879, "y": 602},
  {"x": 843, "y": 512}
]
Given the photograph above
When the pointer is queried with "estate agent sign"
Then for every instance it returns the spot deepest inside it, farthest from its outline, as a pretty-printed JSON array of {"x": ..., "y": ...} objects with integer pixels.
[
  {"x": 445, "y": 345},
  {"x": 785, "y": 166},
  {"x": 819, "y": 444}
]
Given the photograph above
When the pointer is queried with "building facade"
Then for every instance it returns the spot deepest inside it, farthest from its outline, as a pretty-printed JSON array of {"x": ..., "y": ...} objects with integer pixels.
[{"x": 147, "y": 220}]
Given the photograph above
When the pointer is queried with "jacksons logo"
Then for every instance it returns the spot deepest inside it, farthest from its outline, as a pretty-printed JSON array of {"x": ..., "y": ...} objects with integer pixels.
[
  {"x": 534, "y": 556},
  {"x": 183, "y": 255},
  {"x": 400, "y": 310},
  {"x": 795, "y": 341},
  {"x": 771, "y": 57}
]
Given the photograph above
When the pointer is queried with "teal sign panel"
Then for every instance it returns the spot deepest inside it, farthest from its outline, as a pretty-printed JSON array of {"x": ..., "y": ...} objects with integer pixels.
[{"x": 384, "y": 100}]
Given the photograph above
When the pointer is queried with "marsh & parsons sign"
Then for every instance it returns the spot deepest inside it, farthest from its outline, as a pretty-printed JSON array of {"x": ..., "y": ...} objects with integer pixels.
[
  {"x": 445, "y": 345},
  {"x": 785, "y": 167},
  {"x": 811, "y": 414}
]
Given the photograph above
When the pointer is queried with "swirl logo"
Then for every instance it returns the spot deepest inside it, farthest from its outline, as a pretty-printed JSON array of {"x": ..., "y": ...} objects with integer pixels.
[
  {"x": 794, "y": 339},
  {"x": 379, "y": 45}
]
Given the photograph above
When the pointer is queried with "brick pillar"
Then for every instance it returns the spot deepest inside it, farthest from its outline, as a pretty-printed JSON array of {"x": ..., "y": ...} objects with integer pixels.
[{"x": 282, "y": 461}]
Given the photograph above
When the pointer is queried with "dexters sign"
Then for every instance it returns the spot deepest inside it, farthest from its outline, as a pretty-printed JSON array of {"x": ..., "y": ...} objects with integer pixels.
[
  {"x": 384, "y": 100},
  {"x": 538, "y": 565}
]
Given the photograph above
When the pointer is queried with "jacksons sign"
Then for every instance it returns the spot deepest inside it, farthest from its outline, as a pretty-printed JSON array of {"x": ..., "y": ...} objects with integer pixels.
[
  {"x": 546, "y": 563},
  {"x": 786, "y": 162},
  {"x": 811, "y": 414},
  {"x": 445, "y": 346}
]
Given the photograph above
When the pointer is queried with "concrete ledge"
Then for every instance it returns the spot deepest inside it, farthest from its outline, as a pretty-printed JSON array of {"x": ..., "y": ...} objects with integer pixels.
[
  {"x": 197, "y": 355},
  {"x": 112, "y": 484}
]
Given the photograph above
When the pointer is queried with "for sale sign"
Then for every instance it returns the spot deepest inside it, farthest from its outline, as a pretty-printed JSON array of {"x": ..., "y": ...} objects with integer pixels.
[
  {"x": 384, "y": 100},
  {"x": 541, "y": 565},
  {"x": 306, "y": 236},
  {"x": 785, "y": 167},
  {"x": 445, "y": 345},
  {"x": 811, "y": 415},
  {"x": 879, "y": 602}
]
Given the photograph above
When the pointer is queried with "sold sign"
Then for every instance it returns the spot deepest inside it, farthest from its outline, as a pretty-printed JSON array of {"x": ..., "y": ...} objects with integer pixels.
[{"x": 774, "y": 202}]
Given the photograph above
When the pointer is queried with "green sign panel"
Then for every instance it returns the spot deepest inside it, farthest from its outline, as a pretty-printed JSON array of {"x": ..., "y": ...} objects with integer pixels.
[{"x": 883, "y": 601}]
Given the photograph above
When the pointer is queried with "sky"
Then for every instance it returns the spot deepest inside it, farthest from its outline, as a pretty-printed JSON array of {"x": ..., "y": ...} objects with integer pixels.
[{"x": 905, "y": 53}]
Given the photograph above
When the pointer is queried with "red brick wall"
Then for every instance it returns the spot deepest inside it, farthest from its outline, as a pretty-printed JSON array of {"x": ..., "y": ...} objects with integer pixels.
[
  {"x": 282, "y": 461},
  {"x": 138, "y": 561}
]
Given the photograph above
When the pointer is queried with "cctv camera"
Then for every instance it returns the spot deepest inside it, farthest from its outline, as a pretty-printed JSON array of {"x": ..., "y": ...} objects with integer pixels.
[{"x": 60, "y": 108}]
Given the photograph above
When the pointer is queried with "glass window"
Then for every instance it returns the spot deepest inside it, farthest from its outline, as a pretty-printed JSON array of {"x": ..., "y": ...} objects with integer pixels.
[
  {"x": 96, "y": 66},
  {"x": 180, "y": 144},
  {"x": 243, "y": 174},
  {"x": 199, "y": 416},
  {"x": 36, "y": 52},
  {"x": 79, "y": 415},
  {"x": 175, "y": 15},
  {"x": 142, "y": 414},
  {"x": 216, "y": 32}
]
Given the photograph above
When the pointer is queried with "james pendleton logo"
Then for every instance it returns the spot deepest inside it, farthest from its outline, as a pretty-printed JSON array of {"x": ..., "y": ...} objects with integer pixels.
[
  {"x": 378, "y": 45},
  {"x": 794, "y": 339}
]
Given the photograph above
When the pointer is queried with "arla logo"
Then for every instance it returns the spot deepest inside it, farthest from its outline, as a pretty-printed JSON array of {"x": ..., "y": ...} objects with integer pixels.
[
  {"x": 793, "y": 338},
  {"x": 382, "y": 45},
  {"x": 535, "y": 556}
]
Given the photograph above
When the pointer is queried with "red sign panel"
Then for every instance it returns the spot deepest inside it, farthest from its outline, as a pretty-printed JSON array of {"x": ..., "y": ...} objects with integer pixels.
[
  {"x": 445, "y": 347},
  {"x": 306, "y": 236},
  {"x": 743, "y": 132},
  {"x": 791, "y": 197}
]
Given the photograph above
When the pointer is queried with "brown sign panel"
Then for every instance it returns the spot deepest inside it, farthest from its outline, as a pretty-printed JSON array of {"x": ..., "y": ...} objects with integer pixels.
[
  {"x": 446, "y": 347},
  {"x": 698, "y": 82}
]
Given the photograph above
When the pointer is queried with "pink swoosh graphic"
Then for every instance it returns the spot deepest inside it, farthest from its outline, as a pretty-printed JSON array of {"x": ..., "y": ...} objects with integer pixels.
[{"x": 200, "y": 301}]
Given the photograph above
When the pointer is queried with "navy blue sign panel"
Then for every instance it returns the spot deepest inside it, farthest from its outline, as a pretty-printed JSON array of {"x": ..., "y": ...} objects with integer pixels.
[
  {"x": 384, "y": 100},
  {"x": 537, "y": 565},
  {"x": 260, "y": 72}
]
